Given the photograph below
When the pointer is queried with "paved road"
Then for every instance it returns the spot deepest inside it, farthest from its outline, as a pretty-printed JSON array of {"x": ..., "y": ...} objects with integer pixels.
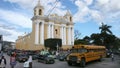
[{"x": 106, "y": 63}]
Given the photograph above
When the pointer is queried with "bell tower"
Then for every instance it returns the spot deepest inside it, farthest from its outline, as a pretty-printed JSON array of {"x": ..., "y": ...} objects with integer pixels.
[
  {"x": 38, "y": 24},
  {"x": 39, "y": 9},
  {"x": 68, "y": 16}
]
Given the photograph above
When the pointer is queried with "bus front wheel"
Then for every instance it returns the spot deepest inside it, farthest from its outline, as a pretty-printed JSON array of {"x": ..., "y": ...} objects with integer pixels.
[
  {"x": 83, "y": 63},
  {"x": 100, "y": 58},
  {"x": 69, "y": 63}
]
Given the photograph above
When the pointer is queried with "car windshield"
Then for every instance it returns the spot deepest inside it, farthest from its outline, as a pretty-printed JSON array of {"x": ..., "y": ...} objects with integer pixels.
[
  {"x": 81, "y": 50},
  {"x": 62, "y": 54}
]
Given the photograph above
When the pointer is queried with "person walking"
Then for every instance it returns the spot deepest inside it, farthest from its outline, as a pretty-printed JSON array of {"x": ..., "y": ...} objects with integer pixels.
[
  {"x": 26, "y": 64},
  {"x": 3, "y": 62},
  {"x": 14, "y": 54},
  {"x": 12, "y": 61},
  {"x": 1, "y": 54},
  {"x": 30, "y": 61},
  {"x": 112, "y": 57}
]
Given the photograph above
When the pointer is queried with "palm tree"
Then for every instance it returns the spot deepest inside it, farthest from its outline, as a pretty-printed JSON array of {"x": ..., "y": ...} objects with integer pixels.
[
  {"x": 105, "y": 29},
  {"x": 106, "y": 35}
]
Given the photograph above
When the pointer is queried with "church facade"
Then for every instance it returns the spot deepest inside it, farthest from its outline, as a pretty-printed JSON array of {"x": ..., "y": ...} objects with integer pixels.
[{"x": 46, "y": 27}]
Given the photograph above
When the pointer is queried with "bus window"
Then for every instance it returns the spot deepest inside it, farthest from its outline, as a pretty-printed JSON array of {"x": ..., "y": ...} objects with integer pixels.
[
  {"x": 74, "y": 50},
  {"x": 82, "y": 50}
]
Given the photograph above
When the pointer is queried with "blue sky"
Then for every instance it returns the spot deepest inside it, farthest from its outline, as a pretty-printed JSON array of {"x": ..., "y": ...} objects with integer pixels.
[{"x": 15, "y": 15}]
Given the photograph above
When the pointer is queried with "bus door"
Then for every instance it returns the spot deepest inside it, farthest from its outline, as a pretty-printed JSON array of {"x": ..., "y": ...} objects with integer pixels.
[{"x": 89, "y": 55}]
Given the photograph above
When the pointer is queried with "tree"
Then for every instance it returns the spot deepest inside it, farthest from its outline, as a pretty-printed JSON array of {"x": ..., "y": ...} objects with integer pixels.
[
  {"x": 80, "y": 41},
  {"x": 96, "y": 38},
  {"x": 117, "y": 43},
  {"x": 106, "y": 37},
  {"x": 105, "y": 29},
  {"x": 87, "y": 40},
  {"x": 77, "y": 37},
  {"x": 77, "y": 34}
]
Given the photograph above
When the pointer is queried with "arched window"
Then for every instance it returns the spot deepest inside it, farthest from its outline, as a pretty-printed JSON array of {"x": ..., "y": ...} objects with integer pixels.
[
  {"x": 70, "y": 18},
  {"x": 40, "y": 12},
  {"x": 40, "y": 23},
  {"x": 56, "y": 31}
]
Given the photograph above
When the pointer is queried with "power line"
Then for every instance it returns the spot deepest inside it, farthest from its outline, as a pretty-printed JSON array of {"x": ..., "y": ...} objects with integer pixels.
[{"x": 56, "y": 2}]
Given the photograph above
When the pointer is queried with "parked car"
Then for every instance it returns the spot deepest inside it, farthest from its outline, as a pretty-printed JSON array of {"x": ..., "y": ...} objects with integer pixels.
[
  {"x": 22, "y": 57},
  {"x": 62, "y": 56},
  {"x": 34, "y": 57},
  {"x": 9, "y": 52},
  {"x": 34, "y": 54},
  {"x": 47, "y": 58}
]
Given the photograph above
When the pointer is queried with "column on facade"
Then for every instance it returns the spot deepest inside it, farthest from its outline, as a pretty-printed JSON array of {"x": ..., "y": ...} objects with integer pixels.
[
  {"x": 64, "y": 30},
  {"x": 69, "y": 36},
  {"x": 72, "y": 30},
  {"x": 61, "y": 34},
  {"x": 48, "y": 34},
  {"x": 52, "y": 28},
  {"x": 42, "y": 33},
  {"x": 37, "y": 33}
]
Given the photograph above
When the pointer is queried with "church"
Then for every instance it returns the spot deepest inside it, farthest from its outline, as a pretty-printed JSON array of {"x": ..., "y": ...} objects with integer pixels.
[{"x": 48, "y": 31}]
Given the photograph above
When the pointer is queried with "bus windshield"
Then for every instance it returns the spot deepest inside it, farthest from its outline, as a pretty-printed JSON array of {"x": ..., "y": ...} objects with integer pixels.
[{"x": 81, "y": 50}]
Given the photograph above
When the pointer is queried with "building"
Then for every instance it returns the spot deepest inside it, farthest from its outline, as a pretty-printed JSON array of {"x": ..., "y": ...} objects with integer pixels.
[
  {"x": 1, "y": 42},
  {"x": 4, "y": 45},
  {"x": 1, "y": 38},
  {"x": 47, "y": 27}
]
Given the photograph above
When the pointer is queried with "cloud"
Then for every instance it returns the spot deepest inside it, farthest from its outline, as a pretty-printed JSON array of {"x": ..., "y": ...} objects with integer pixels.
[
  {"x": 13, "y": 35},
  {"x": 82, "y": 13},
  {"x": 108, "y": 5},
  {"x": 15, "y": 18},
  {"x": 110, "y": 10},
  {"x": 48, "y": 5},
  {"x": 103, "y": 2},
  {"x": 106, "y": 11},
  {"x": 6, "y": 26},
  {"x": 88, "y": 2},
  {"x": 4, "y": 32},
  {"x": 9, "y": 32},
  {"x": 99, "y": 10},
  {"x": 10, "y": 35},
  {"x": 24, "y": 20},
  {"x": 23, "y": 3}
]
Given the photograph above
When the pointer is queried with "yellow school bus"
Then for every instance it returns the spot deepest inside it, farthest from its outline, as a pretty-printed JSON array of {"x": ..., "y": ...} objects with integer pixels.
[{"x": 81, "y": 54}]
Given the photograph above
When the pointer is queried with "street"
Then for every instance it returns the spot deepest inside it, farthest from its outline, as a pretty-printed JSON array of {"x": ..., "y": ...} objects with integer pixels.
[{"x": 106, "y": 63}]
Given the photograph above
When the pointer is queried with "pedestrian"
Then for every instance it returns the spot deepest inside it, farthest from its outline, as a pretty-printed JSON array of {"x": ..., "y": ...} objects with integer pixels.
[
  {"x": 1, "y": 54},
  {"x": 12, "y": 61},
  {"x": 3, "y": 62},
  {"x": 14, "y": 54},
  {"x": 26, "y": 64},
  {"x": 57, "y": 53},
  {"x": 30, "y": 61},
  {"x": 112, "y": 57}
]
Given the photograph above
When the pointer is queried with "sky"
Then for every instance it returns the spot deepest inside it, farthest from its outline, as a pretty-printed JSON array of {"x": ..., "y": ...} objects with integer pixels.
[{"x": 15, "y": 15}]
